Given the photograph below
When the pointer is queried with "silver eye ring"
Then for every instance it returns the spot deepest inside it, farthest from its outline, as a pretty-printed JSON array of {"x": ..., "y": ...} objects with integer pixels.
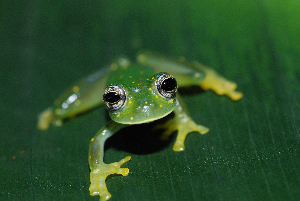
[
  {"x": 114, "y": 97},
  {"x": 166, "y": 85}
]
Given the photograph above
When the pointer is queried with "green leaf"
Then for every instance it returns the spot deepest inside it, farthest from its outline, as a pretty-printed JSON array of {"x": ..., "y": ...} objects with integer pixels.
[{"x": 252, "y": 149}]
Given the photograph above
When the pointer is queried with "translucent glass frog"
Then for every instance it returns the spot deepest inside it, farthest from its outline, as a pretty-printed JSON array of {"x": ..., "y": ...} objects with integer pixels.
[{"x": 135, "y": 93}]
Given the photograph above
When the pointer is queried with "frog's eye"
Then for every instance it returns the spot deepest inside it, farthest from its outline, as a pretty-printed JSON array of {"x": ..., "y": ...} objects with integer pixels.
[
  {"x": 166, "y": 85},
  {"x": 114, "y": 97}
]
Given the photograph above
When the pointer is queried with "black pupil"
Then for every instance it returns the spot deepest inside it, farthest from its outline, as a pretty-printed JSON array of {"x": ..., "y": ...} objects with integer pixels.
[
  {"x": 169, "y": 84},
  {"x": 112, "y": 97}
]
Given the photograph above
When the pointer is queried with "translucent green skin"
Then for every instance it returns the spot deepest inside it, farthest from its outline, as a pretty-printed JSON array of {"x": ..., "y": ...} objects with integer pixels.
[{"x": 143, "y": 104}]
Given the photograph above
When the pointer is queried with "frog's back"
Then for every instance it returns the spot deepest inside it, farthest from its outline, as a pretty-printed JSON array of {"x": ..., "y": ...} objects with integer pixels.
[
  {"x": 131, "y": 74},
  {"x": 87, "y": 93}
]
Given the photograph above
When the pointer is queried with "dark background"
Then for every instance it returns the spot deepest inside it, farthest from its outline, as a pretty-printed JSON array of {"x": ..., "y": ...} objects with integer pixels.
[{"x": 252, "y": 149}]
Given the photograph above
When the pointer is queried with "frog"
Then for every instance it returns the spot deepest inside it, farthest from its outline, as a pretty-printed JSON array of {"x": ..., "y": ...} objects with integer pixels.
[{"x": 135, "y": 93}]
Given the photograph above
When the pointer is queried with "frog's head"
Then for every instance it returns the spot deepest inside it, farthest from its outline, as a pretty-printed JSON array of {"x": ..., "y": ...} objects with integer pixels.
[{"x": 142, "y": 101}]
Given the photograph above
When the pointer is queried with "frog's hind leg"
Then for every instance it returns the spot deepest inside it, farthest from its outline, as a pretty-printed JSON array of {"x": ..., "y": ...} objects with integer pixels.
[{"x": 218, "y": 84}]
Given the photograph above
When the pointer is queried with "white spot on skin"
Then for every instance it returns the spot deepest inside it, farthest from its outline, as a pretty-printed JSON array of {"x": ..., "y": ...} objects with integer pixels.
[
  {"x": 65, "y": 105},
  {"x": 72, "y": 98},
  {"x": 146, "y": 110}
]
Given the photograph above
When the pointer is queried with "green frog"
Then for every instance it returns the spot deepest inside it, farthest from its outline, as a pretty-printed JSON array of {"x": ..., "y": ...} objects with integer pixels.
[{"x": 135, "y": 93}]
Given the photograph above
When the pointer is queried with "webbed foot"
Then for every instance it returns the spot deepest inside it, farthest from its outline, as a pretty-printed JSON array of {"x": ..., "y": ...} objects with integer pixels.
[
  {"x": 219, "y": 84},
  {"x": 98, "y": 176},
  {"x": 184, "y": 125}
]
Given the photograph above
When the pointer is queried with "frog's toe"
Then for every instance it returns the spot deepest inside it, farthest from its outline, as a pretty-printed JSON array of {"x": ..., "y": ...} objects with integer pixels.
[
  {"x": 223, "y": 87},
  {"x": 187, "y": 126},
  {"x": 98, "y": 187},
  {"x": 220, "y": 85},
  {"x": 184, "y": 125},
  {"x": 99, "y": 174},
  {"x": 229, "y": 85},
  {"x": 235, "y": 95}
]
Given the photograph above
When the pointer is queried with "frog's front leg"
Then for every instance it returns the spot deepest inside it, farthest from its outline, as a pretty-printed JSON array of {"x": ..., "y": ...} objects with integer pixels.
[
  {"x": 181, "y": 122},
  {"x": 100, "y": 170}
]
